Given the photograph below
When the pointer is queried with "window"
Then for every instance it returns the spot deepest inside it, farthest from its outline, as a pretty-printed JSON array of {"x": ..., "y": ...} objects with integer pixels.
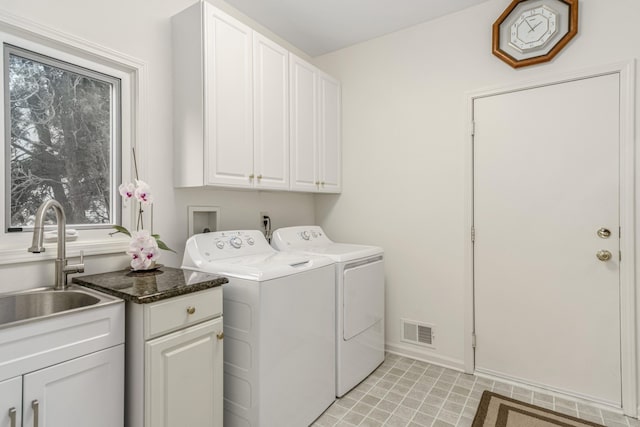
[{"x": 62, "y": 128}]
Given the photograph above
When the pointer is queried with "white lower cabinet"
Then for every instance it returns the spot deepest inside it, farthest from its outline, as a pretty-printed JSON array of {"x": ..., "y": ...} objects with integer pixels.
[
  {"x": 185, "y": 377},
  {"x": 11, "y": 402},
  {"x": 175, "y": 361},
  {"x": 86, "y": 391}
]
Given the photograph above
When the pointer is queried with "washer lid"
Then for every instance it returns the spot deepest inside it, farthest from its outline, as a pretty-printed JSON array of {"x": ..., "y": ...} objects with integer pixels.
[
  {"x": 312, "y": 240},
  {"x": 244, "y": 254},
  {"x": 262, "y": 267}
]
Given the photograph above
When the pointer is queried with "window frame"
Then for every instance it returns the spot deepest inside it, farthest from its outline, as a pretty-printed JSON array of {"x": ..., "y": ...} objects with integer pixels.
[
  {"x": 115, "y": 170},
  {"x": 132, "y": 72}
]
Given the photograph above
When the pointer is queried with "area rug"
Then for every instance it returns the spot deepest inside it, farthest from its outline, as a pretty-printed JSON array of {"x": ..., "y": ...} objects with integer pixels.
[{"x": 501, "y": 411}]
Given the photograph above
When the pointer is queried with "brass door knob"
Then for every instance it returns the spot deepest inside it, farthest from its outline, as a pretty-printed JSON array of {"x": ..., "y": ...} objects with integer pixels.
[
  {"x": 220, "y": 335},
  {"x": 191, "y": 310},
  {"x": 603, "y": 233},
  {"x": 603, "y": 255}
]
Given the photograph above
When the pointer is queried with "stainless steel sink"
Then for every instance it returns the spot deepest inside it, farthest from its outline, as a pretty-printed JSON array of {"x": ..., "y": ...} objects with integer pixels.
[{"x": 45, "y": 302}]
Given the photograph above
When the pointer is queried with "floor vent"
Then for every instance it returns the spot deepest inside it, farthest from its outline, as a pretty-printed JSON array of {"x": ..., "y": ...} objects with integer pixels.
[{"x": 417, "y": 333}]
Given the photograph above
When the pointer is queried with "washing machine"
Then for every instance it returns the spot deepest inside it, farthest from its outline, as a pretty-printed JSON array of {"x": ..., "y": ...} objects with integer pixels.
[
  {"x": 359, "y": 285},
  {"x": 279, "y": 328}
]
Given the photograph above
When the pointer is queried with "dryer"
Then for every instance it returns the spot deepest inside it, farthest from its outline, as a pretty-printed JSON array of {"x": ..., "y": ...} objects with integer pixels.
[
  {"x": 359, "y": 282},
  {"x": 279, "y": 328}
]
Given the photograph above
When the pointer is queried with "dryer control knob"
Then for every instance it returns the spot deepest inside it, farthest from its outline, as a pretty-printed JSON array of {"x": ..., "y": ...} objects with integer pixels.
[
  {"x": 314, "y": 234},
  {"x": 250, "y": 241},
  {"x": 220, "y": 244},
  {"x": 236, "y": 242},
  {"x": 305, "y": 235}
]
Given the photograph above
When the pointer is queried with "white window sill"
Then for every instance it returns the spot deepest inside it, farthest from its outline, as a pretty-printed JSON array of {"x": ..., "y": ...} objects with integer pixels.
[{"x": 109, "y": 245}]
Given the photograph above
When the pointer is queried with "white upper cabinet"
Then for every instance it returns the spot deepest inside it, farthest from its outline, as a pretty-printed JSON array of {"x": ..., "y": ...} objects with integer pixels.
[
  {"x": 247, "y": 113},
  {"x": 330, "y": 134},
  {"x": 304, "y": 125},
  {"x": 213, "y": 98},
  {"x": 228, "y": 112},
  {"x": 271, "y": 114},
  {"x": 315, "y": 129}
]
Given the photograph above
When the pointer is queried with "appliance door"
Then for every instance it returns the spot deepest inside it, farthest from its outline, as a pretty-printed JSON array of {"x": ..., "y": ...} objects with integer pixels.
[{"x": 363, "y": 295}]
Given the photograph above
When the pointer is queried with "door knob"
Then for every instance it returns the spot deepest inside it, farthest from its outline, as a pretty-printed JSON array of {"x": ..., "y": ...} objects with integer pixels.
[
  {"x": 603, "y": 255},
  {"x": 604, "y": 233}
]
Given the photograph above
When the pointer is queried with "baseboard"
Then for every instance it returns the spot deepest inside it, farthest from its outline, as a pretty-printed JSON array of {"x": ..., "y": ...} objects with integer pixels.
[{"x": 425, "y": 356}]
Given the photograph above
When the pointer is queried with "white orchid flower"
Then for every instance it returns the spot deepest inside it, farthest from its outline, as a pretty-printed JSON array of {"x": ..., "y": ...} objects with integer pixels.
[
  {"x": 143, "y": 192},
  {"x": 143, "y": 250},
  {"x": 127, "y": 191}
]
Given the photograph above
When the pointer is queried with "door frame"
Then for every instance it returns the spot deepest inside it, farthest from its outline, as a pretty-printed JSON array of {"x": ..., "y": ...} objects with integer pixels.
[{"x": 628, "y": 345}]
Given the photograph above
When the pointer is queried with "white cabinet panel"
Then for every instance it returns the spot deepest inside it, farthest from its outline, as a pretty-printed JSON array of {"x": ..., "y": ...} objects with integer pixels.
[
  {"x": 87, "y": 391},
  {"x": 271, "y": 114},
  {"x": 330, "y": 145},
  {"x": 228, "y": 94},
  {"x": 11, "y": 402},
  {"x": 315, "y": 129},
  {"x": 304, "y": 125},
  {"x": 184, "y": 378}
]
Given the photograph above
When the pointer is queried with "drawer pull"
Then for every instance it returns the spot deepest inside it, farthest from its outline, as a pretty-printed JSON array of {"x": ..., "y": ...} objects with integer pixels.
[
  {"x": 35, "y": 405},
  {"x": 12, "y": 416},
  {"x": 220, "y": 335},
  {"x": 191, "y": 310}
]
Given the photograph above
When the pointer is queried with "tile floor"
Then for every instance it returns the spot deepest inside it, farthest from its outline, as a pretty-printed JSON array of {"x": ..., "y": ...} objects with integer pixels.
[{"x": 407, "y": 392}]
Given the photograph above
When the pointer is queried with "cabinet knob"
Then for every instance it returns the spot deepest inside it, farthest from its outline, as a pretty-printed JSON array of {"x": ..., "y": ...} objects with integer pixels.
[
  {"x": 259, "y": 177},
  {"x": 220, "y": 335},
  {"x": 251, "y": 177},
  {"x": 322, "y": 183},
  {"x": 317, "y": 182},
  {"x": 191, "y": 310}
]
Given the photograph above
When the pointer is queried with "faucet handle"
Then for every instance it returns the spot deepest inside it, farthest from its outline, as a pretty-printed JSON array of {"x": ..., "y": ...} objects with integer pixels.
[
  {"x": 74, "y": 268},
  {"x": 80, "y": 267}
]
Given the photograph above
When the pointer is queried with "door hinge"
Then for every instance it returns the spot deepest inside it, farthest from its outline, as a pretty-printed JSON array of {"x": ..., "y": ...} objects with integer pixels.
[
  {"x": 473, "y": 340},
  {"x": 620, "y": 256},
  {"x": 473, "y": 233},
  {"x": 473, "y": 128}
]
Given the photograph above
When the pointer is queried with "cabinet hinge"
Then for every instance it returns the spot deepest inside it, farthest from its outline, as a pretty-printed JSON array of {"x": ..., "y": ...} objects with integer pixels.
[
  {"x": 473, "y": 340},
  {"x": 473, "y": 128},
  {"x": 620, "y": 256},
  {"x": 473, "y": 233}
]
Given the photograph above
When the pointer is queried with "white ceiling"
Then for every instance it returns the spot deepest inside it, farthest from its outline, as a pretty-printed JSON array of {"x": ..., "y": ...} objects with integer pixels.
[{"x": 321, "y": 26}]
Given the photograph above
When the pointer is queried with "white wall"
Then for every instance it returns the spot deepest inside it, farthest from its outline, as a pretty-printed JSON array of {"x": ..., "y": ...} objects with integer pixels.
[
  {"x": 142, "y": 29},
  {"x": 404, "y": 128}
]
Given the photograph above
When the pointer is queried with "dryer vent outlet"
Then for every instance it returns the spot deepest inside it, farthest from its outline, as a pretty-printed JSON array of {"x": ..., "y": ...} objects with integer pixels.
[{"x": 418, "y": 333}]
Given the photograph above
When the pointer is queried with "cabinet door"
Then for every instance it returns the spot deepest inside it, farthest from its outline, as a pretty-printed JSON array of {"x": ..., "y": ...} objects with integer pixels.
[
  {"x": 304, "y": 125},
  {"x": 271, "y": 114},
  {"x": 11, "y": 402},
  {"x": 183, "y": 381},
  {"x": 330, "y": 134},
  {"x": 228, "y": 100},
  {"x": 87, "y": 391}
]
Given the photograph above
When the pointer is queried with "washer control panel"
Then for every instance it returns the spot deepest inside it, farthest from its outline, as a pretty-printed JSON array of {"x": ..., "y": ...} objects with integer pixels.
[{"x": 226, "y": 244}]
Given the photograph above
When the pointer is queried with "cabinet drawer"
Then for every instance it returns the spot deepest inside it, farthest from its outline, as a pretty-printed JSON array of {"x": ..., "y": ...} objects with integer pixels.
[{"x": 179, "y": 312}]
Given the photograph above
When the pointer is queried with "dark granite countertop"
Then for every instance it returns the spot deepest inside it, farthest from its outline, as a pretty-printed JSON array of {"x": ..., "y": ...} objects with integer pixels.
[{"x": 150, "y": 286}]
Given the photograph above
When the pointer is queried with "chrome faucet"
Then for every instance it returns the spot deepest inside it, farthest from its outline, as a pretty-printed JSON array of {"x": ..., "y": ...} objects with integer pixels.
[{"x": 62, "y": 269}]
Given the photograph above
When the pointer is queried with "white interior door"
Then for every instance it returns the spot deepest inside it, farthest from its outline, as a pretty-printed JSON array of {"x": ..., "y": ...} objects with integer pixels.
[{"x": 546, "y": 179}]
